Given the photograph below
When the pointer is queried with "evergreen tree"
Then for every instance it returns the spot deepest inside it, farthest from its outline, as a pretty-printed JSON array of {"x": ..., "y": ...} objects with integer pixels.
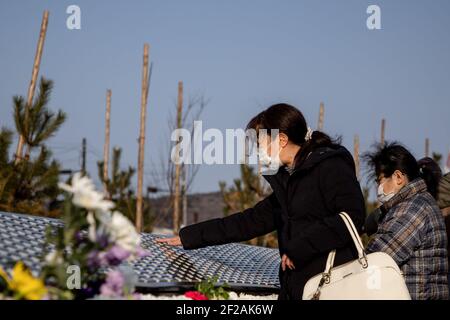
[
  {"x": 119, "y": 190},
  {"x": 437, "y": 157},
  {"x": 245, "y": 193},
  {"x": 37, "y": 123},
  {"x": 30, "y": 186}
]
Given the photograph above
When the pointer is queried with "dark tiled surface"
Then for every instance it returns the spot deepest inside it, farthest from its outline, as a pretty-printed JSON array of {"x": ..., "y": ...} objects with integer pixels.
[{"x": 242, "y": 266}]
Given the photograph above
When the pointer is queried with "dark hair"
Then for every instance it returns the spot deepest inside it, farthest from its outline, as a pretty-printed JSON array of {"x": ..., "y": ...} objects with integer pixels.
[
  {"x": 388, "y": 157},
  {"x": 431, "y": 173},
  {"x": 290, "y": 121}
]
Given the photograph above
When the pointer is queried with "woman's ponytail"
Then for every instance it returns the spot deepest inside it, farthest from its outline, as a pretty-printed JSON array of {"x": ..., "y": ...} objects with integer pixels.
[
  {"x": 318, "y": 139},
  {"x": 431, "y": 173}
]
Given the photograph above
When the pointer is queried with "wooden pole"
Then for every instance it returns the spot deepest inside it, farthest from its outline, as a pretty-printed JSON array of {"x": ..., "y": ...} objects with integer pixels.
[
  {"x": 83, "y": 156},
  {"x": 144, "y": 95},
  {"x": 383, "y": 129},
  {"x": 107, "y": 137},
  {"x": 32, "y": 86},
  {"x": 356, "y": 155},
  {"x": 321, "y": 117},
  {"x": 427, "y": 147},
  {"x": 176, "y": 204},
  {"x": 184, "y": 195}
]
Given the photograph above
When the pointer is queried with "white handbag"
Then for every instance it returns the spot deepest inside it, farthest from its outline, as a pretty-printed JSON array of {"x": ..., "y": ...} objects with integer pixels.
[{"x": 374, "y": 276}]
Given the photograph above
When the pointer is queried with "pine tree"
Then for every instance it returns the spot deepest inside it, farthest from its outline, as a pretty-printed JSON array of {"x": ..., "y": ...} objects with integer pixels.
[
  {"x": 37, "y": 123},
  {"x": 119, "y": 190},
  {"x": 5, "y": 169},
  {"x": 437, "y": 157},
  {"x": 245, "y": 193},
  {"x": 30, "y": 186}
]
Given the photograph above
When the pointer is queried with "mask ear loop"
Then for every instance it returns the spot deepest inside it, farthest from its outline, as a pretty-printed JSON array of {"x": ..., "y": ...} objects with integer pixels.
[{"x": 279, "y": 147}]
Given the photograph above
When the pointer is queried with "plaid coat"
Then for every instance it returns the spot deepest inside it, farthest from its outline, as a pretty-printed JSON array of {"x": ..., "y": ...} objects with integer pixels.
[{"x": 413, "y": 233}]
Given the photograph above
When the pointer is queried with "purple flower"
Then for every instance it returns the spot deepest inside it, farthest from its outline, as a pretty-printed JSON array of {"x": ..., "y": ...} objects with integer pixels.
[
  {"x": 116, "y": 255},
  {"x": 79, "y": 237},
  {"x": 91, "y": 289},
  {"x": 94, "y": 260},
  {"x": 141, "y": 252},
  {"x": 114, "y": 284},
  {"x": 102, "y": 241}
]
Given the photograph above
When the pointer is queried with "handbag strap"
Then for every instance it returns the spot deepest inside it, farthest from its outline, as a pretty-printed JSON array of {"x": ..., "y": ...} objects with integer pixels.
[
  {"x": 362, "y": 258},
  {"x": 330, "y": 262},
  {"x": 355, "y": 236}
]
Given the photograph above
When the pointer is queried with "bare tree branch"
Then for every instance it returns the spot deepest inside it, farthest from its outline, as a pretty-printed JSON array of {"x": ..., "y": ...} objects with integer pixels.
[{"x": 164, "y": 173}]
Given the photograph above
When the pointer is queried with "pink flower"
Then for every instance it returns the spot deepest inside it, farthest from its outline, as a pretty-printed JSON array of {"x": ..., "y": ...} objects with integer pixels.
[
  {"x": 113, "y": 286},
  {"x": 141, "y": 252},
  {"x": 116, "y": 255},
  {"x": 195, "y": 295}
]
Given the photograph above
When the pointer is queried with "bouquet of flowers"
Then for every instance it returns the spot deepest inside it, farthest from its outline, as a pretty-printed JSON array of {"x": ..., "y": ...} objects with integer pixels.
[
  {"x": 87, "y": 258},
  {"x": 89, "y": 255}
]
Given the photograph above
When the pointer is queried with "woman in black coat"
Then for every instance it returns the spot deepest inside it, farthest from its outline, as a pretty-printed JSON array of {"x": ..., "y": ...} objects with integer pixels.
[{"x": 313, "y": 181}]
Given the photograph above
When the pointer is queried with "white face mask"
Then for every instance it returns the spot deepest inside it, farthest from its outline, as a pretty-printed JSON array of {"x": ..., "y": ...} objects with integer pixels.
[
  {"x": 383, "y": 197},
  {"x": 272, "y": 163}
]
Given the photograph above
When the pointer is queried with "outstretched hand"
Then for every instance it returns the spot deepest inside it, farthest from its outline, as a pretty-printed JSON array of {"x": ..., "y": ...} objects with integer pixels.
[{"x": 174, "y": 241}]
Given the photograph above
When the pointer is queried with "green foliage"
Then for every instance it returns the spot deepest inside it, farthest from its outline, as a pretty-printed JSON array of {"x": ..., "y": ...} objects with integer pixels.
[
  {"x": 212, "y": 290},
  {"x": 245, "y": 193},
  {"x": 70, "y": 248},
  {"x": 39, "y": 123},
  {"x": 30, "y": 185},
  {"x": 80, "y": 254},
  {"x": 437, "y": 157},
  {"x": 119, "y": 190}
]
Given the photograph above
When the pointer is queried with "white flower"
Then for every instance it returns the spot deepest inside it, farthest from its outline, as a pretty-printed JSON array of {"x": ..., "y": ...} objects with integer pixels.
[
  {"x": 123, "y": 232},
  {"x": 53, "y": 258},
  {"x": 85, "y": 195},
  {"x": 119, "y": 230},
  {"x": 79, "y": 183},
  {"x": 92, "y": 230},
  {"x": 104, "y": 219}
]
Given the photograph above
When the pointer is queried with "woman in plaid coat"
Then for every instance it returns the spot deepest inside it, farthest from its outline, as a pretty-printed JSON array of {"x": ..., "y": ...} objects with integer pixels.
[{"x": 411, "y": 227}]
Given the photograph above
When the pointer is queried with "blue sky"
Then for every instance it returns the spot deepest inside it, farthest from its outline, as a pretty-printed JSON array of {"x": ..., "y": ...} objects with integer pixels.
[{"x": 243, "y": 57}]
